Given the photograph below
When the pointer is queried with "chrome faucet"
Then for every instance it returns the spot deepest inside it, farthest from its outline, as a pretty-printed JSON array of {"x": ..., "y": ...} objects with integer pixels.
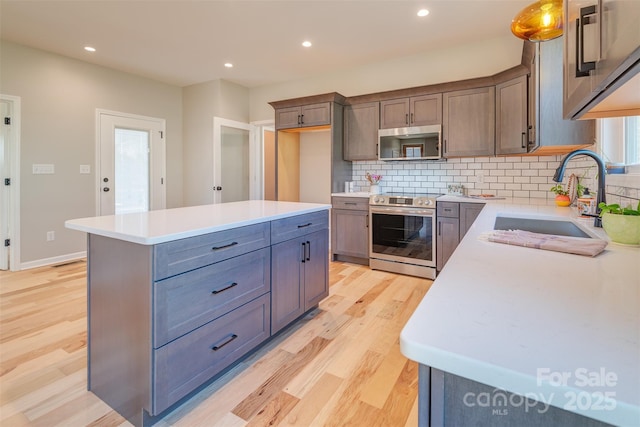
[{"x": 597, "y": 222}]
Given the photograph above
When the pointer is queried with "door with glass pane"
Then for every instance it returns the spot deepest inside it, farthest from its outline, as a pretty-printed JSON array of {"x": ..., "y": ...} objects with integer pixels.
[
  {"x": 132, "y": 164},
  {"x": 235, "y": 159}
]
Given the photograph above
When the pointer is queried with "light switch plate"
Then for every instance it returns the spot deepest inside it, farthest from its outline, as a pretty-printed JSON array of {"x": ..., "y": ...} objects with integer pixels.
[
  {"x": 85, "y": 168},
  {"x": 43, "y": 169}
]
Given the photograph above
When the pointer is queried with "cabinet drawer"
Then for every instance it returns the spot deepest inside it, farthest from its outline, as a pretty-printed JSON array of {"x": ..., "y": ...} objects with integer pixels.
[
  {"x": 188, "y": 362},
  {"x": 296, "y": 226},
  {"x": 179, "y": 256},
  {"x": 184, "y": 302},
  {"x": 448, "y": 209},
  {"x": 351, "y": 203}
]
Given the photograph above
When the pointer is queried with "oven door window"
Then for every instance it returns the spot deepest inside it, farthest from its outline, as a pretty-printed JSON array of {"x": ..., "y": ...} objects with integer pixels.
[{"x": 402, "y": 237}]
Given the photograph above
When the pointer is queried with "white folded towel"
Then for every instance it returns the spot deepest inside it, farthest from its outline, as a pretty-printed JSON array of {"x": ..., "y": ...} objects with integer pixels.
[{"x": 549, "y": 242}]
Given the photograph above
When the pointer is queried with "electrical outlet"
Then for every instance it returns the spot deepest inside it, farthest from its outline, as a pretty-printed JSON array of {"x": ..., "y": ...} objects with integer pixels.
[
  {"x": 85, "y": 169},
  {"x": 51, "y": 236}
]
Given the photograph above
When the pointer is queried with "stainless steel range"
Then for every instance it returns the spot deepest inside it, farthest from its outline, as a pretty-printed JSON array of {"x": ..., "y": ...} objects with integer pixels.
[{"x": 402, "y": 236}]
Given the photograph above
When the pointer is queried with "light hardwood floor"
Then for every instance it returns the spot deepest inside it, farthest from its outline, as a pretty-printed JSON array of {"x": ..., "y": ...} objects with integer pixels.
[{"x": 338, "y": 366}]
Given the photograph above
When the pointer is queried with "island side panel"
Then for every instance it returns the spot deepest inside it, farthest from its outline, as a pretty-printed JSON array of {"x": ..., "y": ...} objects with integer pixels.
[
  {"x": 119, "y": 282},
  {"x": 448, "y": 400}
]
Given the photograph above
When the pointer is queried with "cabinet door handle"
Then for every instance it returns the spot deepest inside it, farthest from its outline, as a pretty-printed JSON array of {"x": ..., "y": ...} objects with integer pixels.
[
  {"x": 308, "y": 250},
  {"x": 439, "y": 229},
  {"x": 215, "y": 248},
  {"x": 227, "y": 341},
  {"x": 582, "y": 67},
  {"x": 444, "y": 146},
  {"x": 524, "y": 137},
  {"x": 406, "y": 118},
  {"x": 304, "y": 252},
  {"x": 411, "y": 118},
  {"x": 301, "y": 119},
  {"x": 305, "y": 225},
  {"x": 366, "y": 222},
  {"x": 217, "y": 291}
]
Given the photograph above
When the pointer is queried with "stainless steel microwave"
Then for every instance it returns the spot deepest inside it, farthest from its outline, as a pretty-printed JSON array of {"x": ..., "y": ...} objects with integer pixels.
[{"x": 410, "y": 143}]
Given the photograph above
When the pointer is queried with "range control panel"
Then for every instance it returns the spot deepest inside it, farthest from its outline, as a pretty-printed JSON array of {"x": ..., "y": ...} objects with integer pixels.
[{"x": 421, "y": 201}]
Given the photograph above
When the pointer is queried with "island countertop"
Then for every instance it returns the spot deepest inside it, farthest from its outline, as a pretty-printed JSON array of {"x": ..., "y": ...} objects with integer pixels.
[
  {"x": 518, "y": 319},
  {"x": 153, "y": 227}
]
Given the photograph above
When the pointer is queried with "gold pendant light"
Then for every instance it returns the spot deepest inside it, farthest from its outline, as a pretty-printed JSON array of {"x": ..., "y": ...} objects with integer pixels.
[{"x": 540, "y": 21}]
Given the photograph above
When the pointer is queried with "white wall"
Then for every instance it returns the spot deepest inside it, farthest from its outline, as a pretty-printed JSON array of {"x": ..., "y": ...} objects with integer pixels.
[
  {"x": 59, "y": 98},
  {"x": 480, "y": 59},
  {"x": 203, "y": 102}
]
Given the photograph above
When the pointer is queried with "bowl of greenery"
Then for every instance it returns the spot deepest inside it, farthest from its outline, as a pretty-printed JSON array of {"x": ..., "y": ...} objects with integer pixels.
[{"x": 622, "y": 225}]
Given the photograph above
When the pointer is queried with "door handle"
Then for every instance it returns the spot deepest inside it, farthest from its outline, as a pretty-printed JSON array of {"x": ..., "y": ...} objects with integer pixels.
[
  {"x": 582, "y": 67},
  {"x": 524, "y": 144},
  {"x": 308, "y": 250},
  {"x": 406, "y": 119},
  {"x": 304, "y": 252}
]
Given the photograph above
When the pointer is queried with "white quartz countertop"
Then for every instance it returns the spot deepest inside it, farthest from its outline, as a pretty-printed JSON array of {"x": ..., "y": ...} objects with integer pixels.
[
  {"x": 559, "y": 328},
  {"x": 150, "y": 228},
  {"x": 363, "y": 194}
]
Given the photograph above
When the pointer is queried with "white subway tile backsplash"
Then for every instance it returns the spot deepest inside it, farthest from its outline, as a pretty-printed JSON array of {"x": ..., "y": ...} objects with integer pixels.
[{"x": 529, "y": 177}]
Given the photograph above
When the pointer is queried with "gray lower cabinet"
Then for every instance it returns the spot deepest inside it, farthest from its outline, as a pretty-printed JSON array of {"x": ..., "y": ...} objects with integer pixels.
[
  {"x": 350, "y": 229},
  {"x": 191, "y": 360},
  {"x": 299, "y": 278},
  {"x": 165, "y": 319},
  {"x": 445, "y": 399},
  {"x": 453, "y": 221}
]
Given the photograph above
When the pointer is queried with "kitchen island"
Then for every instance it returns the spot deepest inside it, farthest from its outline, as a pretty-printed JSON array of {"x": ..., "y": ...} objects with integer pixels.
[
  {"x": 177, "y": 296},
  {"x": 504, "y": 322}
]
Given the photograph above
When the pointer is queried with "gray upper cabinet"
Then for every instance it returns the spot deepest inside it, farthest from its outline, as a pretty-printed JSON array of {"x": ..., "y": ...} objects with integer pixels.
[
  {"x": 469, "y": 122},
  {"x": 413, "y": 111},
  {"x": 304, "y": 116},
  {"x": 361, "y": 123},
  {"x": 608, "y": 34},
  {"x": 550, "y": 131},
  {"x": 511, "y": 116}
]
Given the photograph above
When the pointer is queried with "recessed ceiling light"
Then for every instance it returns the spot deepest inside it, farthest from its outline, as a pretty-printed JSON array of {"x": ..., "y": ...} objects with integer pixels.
[
  {"x": 423, "y": 12},
  {"x": 228, "y": 65},
  {"x": 90, "y": 49},
  {"x": 306, "y": 43}
]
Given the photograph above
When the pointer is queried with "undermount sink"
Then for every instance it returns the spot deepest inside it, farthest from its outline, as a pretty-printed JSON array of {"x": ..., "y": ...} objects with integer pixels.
[{"x": 544, "y": 226}]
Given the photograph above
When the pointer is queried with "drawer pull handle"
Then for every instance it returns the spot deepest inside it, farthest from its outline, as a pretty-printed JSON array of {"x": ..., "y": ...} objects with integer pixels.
[
  {"x": 215, "y": 248},
  {"x": 305, "y": 225},
  {"x": 217, "y": 291},
  {"x": 218, "y": 347},
  {"x": 350, "y": 203}
]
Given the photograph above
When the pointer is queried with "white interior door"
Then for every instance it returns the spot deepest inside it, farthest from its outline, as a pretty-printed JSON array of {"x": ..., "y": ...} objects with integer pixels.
[
  {"x": 235, "y": 161},
  {"x": 131, "y": 163}
]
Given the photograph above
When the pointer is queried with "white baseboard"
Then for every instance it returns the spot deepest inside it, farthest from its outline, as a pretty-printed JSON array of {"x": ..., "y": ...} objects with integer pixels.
[{"x": 53, "y": 260}]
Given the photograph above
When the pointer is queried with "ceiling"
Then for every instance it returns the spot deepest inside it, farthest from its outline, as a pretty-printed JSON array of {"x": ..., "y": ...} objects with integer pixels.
[{"x": 184, "y": 42}]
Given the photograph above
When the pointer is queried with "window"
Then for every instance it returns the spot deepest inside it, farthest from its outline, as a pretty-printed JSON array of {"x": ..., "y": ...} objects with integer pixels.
[{"x": 620, "y": 140}]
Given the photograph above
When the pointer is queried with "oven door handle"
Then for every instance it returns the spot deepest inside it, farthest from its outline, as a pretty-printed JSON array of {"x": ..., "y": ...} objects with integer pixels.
[{"x": 407, "y": 211}]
